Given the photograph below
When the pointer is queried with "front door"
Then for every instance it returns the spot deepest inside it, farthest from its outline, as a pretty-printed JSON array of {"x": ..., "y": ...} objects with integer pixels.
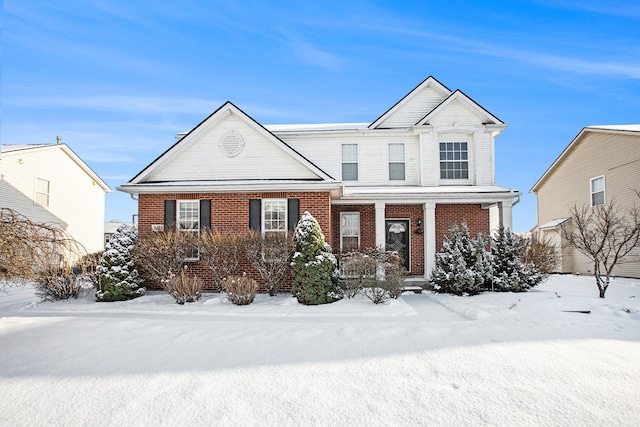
[{"x": 397, "y": 235}]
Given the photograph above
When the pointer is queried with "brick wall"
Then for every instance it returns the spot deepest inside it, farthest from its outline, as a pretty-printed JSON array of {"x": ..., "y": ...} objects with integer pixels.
[
  {"x": 475, "y": 216},
  {"x": 368, "y": 229},
  {"x": 230, "y": 212}
]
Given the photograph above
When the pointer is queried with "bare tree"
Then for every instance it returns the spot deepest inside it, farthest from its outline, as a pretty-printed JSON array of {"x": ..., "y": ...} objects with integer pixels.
[
  {"x": 606, "y": 234},
  {"x": 43, "y": 254}
]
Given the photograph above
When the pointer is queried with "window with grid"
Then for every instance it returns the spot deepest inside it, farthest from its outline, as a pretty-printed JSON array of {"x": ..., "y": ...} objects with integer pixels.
[
  {"x": 349, "y": 230},
  {"x": 454, "y": 160},
  {"x": 188, "y": 220},
  {"x": 597, "y": 191},
  {"x": 42, "y": 192},
  {"x": 396, "y": 162},
  {"x": 349, "y": 162},
  {"x": 274, "y": 215}
]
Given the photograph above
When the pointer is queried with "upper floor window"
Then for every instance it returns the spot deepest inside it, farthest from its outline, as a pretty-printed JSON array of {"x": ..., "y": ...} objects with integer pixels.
[
  {"x": 597, "y": 191},
  {"x": 274, "y": 215},
  {"x": 349, "y": 162},
  {"x": 454, "y": 160},
  {"x": 396, "y": 162},
  {"x": 349, "y": 230},
  {"x": 42, "y": 192}
]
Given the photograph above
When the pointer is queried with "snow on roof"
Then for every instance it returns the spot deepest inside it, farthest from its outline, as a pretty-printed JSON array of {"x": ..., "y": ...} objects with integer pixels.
[
  {"x": 315, "y": 127},
  {"x": 468, "y": 189},
  {"x": 553, "y": 223},
  {"x": 630, "y": 128}
]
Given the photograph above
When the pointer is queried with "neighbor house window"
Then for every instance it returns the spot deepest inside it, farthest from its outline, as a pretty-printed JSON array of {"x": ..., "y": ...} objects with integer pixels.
[
  {"x": 42, "y": 192},
  {"x": 349, "y": 230},
  {"x": 454, "y": 160},
  {"x": 188, "y": 221},
  {"x": 597, "y": 191},
  {"x": 274, "y": 215},
  {"x": 396, "y": 162},
  {"x": 349, "y": 162}
]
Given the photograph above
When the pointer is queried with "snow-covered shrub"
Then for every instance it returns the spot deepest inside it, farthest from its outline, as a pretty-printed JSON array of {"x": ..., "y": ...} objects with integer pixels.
[
  {"x": 508, "y": 273},
  {"x": 270, "y": 255},
  {"x": 314, "y": 266},
  {"x": 221, "y": 253},
  {"x": 378, "y": 274},
  {"x": 241, "y": 290},
  {"x": 460, "y": 267},
  {"x": 184, "y": 287},
  {"x": 358, "y": 270},
  {"x": 116, "y": 277},
  {"x": 60, "y": 284}
]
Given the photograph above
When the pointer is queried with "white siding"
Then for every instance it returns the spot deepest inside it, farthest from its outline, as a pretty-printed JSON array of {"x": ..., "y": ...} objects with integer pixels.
[
  {"x": 259, "y": 159},
  {"x": 76, "y": 203},
  {"x": 414, "y": 109}
]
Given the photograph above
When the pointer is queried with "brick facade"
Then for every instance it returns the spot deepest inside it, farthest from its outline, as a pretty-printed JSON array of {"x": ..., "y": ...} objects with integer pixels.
[
  {"x": 476, "y": 218},
  {"x": 230, "y": 212}
]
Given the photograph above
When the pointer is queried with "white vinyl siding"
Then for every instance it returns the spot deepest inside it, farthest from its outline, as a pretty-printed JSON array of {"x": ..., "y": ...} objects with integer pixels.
[
  {"x": 42, "y": 192},
  {"x": 349, "y": 162},
  {"x": 349, "y": 230},
  {"x": 597, "y": 191},
  {"x": 274, "y": 215},
  {"x": 396, "y": 162}
]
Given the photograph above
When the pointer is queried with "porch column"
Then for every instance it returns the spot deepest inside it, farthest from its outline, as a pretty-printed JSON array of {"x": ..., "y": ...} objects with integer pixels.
[
  {"x": 429, "y": 238},
  {"x": 506, "y": 214},
  {"x": 380, "y": 228}
]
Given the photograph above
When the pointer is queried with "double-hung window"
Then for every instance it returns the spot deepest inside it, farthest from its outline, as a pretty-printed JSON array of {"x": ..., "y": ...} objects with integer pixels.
[
  {"x": 396, "y": 162},
  {"x": 274, "y": 215},
  {"x": 188, "y": 221},
  {"x": 597, "y": 191},
  {"x": 454, "y": 160},
  {"x": 349, "y": 162},
  {"x": 42, "y": 192},
  {"x": 349, "y": 230}
]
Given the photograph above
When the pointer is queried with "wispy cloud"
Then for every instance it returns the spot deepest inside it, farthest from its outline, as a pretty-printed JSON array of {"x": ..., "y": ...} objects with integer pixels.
[
  {"x": 118, "y": 103},
  {"x": 313, "y": 55}
]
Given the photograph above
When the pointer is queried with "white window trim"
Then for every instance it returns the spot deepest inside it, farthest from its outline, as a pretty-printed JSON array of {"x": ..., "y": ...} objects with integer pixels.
[
  {"x": 591, "y": 193},
  {"x": 357, "y": 162},
  {"x": 455, "y": 181},
  {"x": 343, "y": 214},
  {"x": 197, "y": 230},
  {"x": 262, "y": 215},
  {"x": 404, "y": 161},
  {"x": 35, "y": 191}
]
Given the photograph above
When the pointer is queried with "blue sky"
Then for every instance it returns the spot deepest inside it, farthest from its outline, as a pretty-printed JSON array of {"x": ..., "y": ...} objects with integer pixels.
[{"x": 118, "y": 79}]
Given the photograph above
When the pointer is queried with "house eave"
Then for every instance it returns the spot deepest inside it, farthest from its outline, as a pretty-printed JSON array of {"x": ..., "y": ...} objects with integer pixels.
[
  {"x": 228, "y": 187},
  {"x": 441, "y": 194}
]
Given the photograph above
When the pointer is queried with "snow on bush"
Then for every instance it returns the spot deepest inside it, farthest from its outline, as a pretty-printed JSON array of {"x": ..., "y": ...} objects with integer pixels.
[
  {"x": 508, "y": 273},
  {"x": 460, "y": 267},
  {"x": 240, "y": 290},
  {"x": 314, "y": 265},
  {"x": 117, "y": 277}
]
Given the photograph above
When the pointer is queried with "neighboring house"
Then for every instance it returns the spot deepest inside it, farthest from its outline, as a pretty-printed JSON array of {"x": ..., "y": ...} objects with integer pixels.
[
  {"x": 49, "y": 183},
  {"x": 400, "y": 181},
  {"x": 601, "y": 164}
]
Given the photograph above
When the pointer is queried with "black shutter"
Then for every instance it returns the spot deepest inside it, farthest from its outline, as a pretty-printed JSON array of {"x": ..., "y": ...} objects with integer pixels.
[
  {"x": 205, "y": 214},
  {"x": 255, "y": 207},
  {"x": 169, "y": 214},
  {"x": 293, "y": 209}
]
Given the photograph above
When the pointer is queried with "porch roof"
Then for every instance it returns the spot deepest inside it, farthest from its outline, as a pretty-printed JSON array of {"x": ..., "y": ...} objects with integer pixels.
[{"x": 450, "y": 194}]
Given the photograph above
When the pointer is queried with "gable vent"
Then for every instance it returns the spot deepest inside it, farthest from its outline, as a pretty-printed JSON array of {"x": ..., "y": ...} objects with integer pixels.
[{"x": 231, "y": 144}]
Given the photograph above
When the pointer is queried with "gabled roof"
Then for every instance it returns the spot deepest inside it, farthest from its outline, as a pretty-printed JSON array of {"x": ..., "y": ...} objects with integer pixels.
[
  {"x": 429, "y": 82},
  {"x": 209, "y": 123},
  {"x": 459, "y": 96},
  {"x": 620, "y": 129},
  {"x": 19, "y": 149}
]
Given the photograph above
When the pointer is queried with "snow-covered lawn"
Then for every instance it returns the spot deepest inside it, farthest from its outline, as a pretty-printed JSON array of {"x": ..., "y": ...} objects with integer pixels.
[{"x": 428, "y": 359}]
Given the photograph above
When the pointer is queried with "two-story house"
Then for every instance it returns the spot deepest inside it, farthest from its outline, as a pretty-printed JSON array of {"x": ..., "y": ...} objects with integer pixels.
[
  {"x": 49, "y": 183},
  {"x": 399, "y": 182},
  {"x": 600, "y": 165}
]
